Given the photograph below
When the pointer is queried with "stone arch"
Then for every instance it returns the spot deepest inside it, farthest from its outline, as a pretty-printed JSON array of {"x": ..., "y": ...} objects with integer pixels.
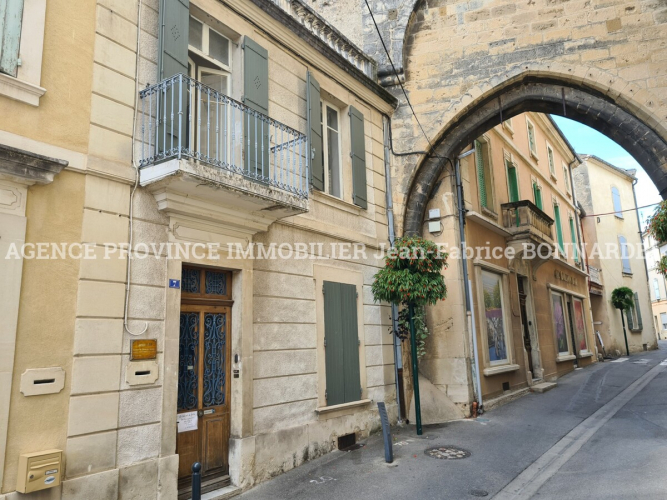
[{"x": 592, "y": 97}]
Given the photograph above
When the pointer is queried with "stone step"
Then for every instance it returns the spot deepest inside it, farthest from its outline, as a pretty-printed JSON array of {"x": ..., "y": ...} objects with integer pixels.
[{"x": 543, "y": 387}]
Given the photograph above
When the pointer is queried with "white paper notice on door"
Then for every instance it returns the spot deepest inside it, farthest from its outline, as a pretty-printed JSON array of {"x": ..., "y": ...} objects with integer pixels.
[{"x": 187, "y": 421}]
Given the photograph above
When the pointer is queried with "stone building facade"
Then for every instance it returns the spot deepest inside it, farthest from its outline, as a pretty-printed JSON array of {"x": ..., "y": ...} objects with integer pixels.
[
  {"x": 614, "y": 249},
  {"x": 207, "y": 185}
]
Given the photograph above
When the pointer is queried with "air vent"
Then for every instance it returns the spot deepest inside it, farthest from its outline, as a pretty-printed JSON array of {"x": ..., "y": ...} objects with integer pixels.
[
  {"x": 347, "y": 441},
  {"x": 506, "y": 386}
]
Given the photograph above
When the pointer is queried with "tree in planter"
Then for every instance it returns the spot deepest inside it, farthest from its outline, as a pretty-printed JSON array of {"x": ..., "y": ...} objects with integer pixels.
[
  {"x": 657, "y": 228},
  {"x": 412, "y": 277},
  {"x": 622, "y": 298}
]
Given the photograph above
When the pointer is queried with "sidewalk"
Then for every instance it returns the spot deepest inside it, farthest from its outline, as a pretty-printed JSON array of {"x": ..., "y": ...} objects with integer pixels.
[{"x": 502, "y": 443}]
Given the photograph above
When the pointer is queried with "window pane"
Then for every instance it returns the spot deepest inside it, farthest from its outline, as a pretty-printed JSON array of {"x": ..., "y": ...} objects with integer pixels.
[
  {"x": 332, "y": 118},
  {"x": 663, "y": 320},
  {"x": 493, "y": 311},
  {"x": 195, "y": 34},
  {"x": 218, "y": 47},
  {"x": 550, "y": 155},
  {"x": 334, "y": 163},
  {"x": 616, "y": 198},
  {"x": 559, "y": 321}
]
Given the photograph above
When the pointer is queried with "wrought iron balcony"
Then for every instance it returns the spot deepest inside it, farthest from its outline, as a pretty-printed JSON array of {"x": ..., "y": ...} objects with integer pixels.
[
  {"x": 184, "y": 119},
  {"x": 522, "y": 219}
]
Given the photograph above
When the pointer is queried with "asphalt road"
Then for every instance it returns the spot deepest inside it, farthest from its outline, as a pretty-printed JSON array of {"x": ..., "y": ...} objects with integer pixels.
[{"x": 601, "y": 434}]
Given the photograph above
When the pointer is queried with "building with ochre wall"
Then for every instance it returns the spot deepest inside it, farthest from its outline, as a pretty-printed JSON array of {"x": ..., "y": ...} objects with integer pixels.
[
  {"x": 657, "y": 284},
  {"x": 249, "y": 129},
  {"x": 614, "y": 249}
]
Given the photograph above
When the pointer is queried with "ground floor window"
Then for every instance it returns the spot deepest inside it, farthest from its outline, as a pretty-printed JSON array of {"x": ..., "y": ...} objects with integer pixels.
[
  {"x": 341, "y": 343},
  {"x": 494, "y": 314},
  {"x": 560, "y": 323},
  {"x": 663, "y": 320},
  {"x": 579, "y": 324}
]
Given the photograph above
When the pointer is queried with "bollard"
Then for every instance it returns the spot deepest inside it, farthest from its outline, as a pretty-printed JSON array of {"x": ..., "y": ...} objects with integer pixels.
[{"x": 196, "y": 481}]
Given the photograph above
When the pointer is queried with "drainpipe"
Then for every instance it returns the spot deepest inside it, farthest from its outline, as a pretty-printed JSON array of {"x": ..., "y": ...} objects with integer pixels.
[
  {"x": 466, "y": 281},
  {"x": 580, "y": 239},
  {"x": 398, "y": 358},
  {"x": 639, "y": 225}
]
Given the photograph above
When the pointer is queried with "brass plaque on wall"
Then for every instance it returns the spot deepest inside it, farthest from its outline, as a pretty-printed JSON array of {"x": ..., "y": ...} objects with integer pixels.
[{"x": 143, "y": 349}]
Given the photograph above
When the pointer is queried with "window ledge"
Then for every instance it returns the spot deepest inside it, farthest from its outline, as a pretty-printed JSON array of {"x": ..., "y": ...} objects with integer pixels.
[
  {"x": 553, "y": 177},
  {"x": 20, "y": 90},
  {"x": 566, "y": 357},
  {"x": 586, "y": 354},
  {"x": 334, "y": 201},
  {"x": 353, "y": 404},
  {"x": 534, "y": 155},
  {"x": 495, "y": 370},
  {"x": 636, "y": 330},
  {"x": 629, "y": 275},
  {"x": 490, "y": 213}
]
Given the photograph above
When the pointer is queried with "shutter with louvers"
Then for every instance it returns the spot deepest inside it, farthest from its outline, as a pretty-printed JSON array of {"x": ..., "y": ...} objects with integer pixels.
[
  {"x": 638, "y": 312},
  {"x": 358, "y": 154},
  {"x": 315, "y": 132},
  {"x": 341, "y": 343},
  {"x": 479, "y": 160},
  {"x": 174, "y": 33},
  {"x": 574, "y": 240},
  {"x": 513, "y": 183},
  {"x": 256, "y": 96},
  {"x": 559, "y": 228},
  {"x": 11, "y": 16}
]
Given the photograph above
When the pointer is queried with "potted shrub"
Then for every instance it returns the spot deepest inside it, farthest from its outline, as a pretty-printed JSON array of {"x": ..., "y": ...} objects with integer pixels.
[{"x": 622, "y": 298}]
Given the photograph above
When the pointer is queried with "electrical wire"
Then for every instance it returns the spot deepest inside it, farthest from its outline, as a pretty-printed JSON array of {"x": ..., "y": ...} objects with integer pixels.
[
  {"x": 621, "y": 211},
  {"x": 136, "y": 184}
]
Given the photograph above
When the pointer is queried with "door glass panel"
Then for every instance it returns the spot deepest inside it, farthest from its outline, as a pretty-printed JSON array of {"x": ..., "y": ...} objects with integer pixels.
[
  {"x": 216, "y": 283},
  {"x": 215, "y": 339},
  {"x": 190, "y": 279},
  {"x": 188, "y": 360}
]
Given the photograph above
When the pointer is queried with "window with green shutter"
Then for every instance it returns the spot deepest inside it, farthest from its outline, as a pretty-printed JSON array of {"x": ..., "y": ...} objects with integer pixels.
[
  {"x": 479, "y": 161},
  {"x": 639, "y": 324},
  {"x": 573, "y": 234},
  {"x": 315, "y": 132},
  {"x": 341, "y": 343},
  {"x": 358, "y": 154},
  {"x": 173, "y": 38},
  {"x": 537, "y": 195},
  {"x": 256, "y": 96},
  {"x": 512, "y": 181},
  {"x": 483, "y": 167},
  {"x": 11, "y": 16},
  {"x": 559, "y": 228}
]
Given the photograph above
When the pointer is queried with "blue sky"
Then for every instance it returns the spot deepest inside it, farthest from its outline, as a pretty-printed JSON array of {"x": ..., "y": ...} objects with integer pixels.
[{"x": 586, "y": 140}]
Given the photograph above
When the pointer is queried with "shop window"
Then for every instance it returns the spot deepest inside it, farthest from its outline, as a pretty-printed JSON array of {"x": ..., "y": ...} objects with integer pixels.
[
  {"x": 495, "y": 320},
  {"x": 560, "y": 324},
  {"x": 579, "y": 325}
]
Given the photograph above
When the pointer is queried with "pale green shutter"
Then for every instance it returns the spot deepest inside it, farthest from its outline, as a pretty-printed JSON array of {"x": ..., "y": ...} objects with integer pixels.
[
  {"x": 256, "y": 96},
  {"x": 574, "y": 240},
  {"x": 11, "y": 15},
  {"x": 341, "y": 337},
  {"x": 559, "y": 229},
  {"x": 358, "y": 154},
  {"x": 537, "y": 194},
  {"x": 315, "y": 132},
  {"x": 174, "y": 32},
  {"x": 639, "y": 312},
  {"x": 479, "y": 160}
]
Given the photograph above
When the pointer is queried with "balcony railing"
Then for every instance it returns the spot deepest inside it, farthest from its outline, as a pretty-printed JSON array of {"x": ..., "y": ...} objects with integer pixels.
[
  {"x": 522, "y": 216},
  {"x": 183, "y": 118}
]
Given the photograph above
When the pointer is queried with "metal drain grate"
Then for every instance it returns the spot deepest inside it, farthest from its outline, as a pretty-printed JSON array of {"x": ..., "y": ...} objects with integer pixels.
[{"x": 447, "y": 452}]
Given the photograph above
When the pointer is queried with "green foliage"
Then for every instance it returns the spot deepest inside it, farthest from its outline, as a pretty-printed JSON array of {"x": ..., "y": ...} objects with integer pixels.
[
  {"x": 412, "y": 273},
  {"x": 421, "y": 330},
  {"x": 662, "y": 266},
  {"x": 657, "y": 223},
  {"x": 622, "y": 298}
]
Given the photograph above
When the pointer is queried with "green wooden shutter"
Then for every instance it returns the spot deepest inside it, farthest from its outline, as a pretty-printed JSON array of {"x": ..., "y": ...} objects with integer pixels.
[
  {"x": 341, "y": 339},
  {"x": 559, "y": 229},
  {"x": 256, "y": 96},
  {"x": 11, "y": 15},
  {"x": 537, "y": 194},
  {"x": 315, "y": 132},
  {"x": 358, "y": 154},
  {"x": 640, "y": 325},
  {"x": 479, "y": 160},
  {"x": 574, "y": 240},
  {"x": 513, "y": 183},
  {"x": 174, "y": 33}
]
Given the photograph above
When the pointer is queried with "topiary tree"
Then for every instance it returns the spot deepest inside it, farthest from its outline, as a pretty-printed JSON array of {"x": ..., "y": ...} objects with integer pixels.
[
  {"x": 412, "y": 277},
  {"x": 623, "y": 298}
]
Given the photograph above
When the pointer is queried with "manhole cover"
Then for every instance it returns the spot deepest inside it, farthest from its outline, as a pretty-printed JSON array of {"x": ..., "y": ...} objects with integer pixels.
[{"x": 447, "y": 452}]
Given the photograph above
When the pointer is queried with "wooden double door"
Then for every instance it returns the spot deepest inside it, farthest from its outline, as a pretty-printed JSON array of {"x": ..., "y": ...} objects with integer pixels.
[{"x": 204, "y": 371}]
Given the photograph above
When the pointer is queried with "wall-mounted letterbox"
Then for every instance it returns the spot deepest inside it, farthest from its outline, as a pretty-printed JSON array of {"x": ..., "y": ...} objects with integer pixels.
[{"x": 39, "y": 471}]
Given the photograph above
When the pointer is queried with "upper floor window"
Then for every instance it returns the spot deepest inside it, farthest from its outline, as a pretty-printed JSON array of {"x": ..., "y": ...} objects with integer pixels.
[
  {"x": 625, "y": 258},
  {"x": 573, "y": 235},
  {"x": 532, "y": 145},
  {"x": 537, "y": 195},
  {"x": 616, "y": 198},
  {"x": 559, "y": 228},
  {"x": 656, "y": 288},
  {"x": 508, "y": 125},
  {"x": 566, "y": 178},
  {"x": 512, "y": 180},
  {"x": 10, "y": 35},
  {"x": 634, "y": 315},
  {"x": 484, "y": 179},
  {"x": 551, "y": 160},
  {"x": 208, "y": 44},
  {"x": 331, "y": 158}
]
